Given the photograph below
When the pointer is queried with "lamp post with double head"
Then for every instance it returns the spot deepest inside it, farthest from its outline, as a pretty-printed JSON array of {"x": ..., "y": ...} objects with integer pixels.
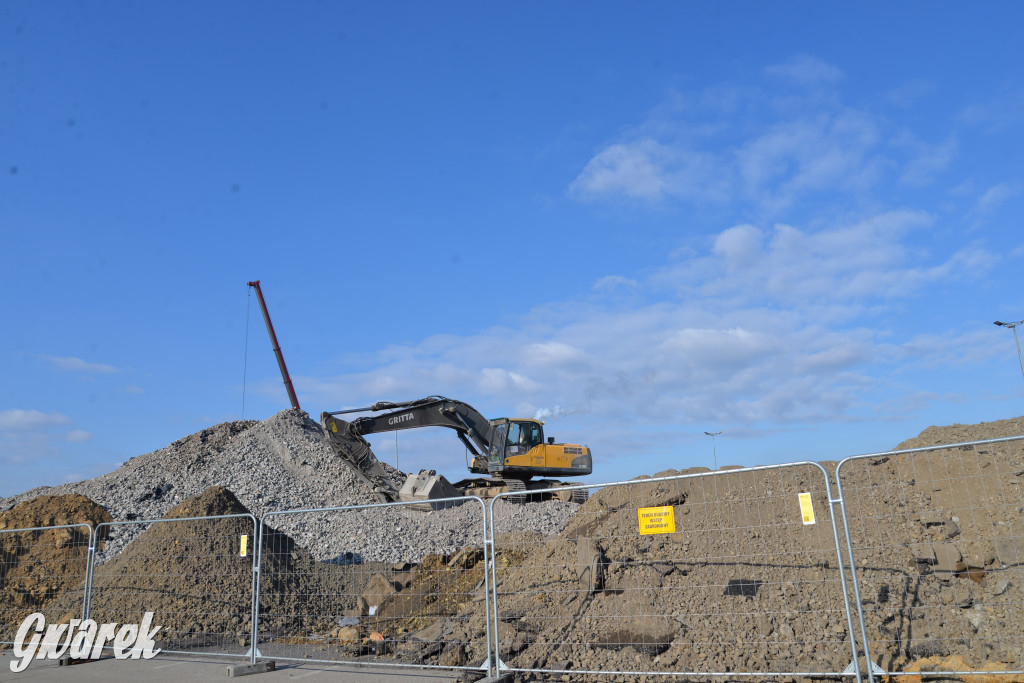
[
  {"x": 1013, "y": 326},
  {"x": 714, "y": 450}
]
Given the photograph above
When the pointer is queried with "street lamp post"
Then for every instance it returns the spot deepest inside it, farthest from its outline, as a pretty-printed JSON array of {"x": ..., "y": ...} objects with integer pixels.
[
  {"x": 1013, "y": 326},
  {"x": 714, "y": 450}
]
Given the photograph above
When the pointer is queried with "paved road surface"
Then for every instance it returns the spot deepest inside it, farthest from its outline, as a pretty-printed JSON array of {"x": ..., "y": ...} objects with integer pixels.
[{"x": 180, "y": 668}]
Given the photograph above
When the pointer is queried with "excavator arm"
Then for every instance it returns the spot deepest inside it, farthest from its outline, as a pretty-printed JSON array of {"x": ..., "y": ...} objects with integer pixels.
[
  {"x": 434, "y": 411},
  {"x": 346, "y": 438}
]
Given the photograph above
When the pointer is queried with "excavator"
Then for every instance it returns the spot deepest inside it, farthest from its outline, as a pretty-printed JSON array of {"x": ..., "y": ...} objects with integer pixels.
[{"x": 512, "y": 452}]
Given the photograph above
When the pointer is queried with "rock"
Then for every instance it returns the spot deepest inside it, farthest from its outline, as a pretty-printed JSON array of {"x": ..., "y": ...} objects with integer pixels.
[
  {"x": 377, "y": 590},
  {"x": 1009, "y": 552},
  {"x": 347, "y": 634},
  {"x": 946, "y": 557},
  {"x": 590, "y": 565}
]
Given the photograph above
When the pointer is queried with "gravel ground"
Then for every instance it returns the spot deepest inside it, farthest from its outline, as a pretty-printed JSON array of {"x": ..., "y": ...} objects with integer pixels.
[{"x": 285, "y": 463}]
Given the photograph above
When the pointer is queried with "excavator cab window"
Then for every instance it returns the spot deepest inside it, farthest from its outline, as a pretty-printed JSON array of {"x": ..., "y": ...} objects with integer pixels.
[
  {"x": 496, "y": 454},
  {"x": 522, "y": 436}
]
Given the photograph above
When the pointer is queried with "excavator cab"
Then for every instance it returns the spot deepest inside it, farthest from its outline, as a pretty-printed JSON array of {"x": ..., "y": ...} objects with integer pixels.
[{"x": 518, "y": 449}]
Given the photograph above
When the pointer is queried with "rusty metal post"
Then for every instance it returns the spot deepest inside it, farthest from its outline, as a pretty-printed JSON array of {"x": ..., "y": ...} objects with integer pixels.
[{"x": 277, "y": 347}]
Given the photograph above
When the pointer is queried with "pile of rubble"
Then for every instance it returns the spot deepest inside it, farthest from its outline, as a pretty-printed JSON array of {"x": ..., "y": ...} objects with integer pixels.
[{"x": 285, "y": 463}]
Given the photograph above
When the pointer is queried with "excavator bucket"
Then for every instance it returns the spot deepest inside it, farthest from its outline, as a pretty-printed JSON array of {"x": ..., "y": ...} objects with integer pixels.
[
  {"x": 355, "y": 451},
  {"x": 426, "y": 488}
]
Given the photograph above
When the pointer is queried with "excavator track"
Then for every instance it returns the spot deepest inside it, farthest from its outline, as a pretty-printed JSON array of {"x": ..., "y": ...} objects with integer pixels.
[{"x": 514, "y": 487}]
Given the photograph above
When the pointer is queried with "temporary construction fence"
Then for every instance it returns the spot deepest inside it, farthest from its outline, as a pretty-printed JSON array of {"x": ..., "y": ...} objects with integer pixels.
[
  {"x": 43, "y": 569},
  {"x": 935, "y": 538},
  {"x": 326, "y": 604},
  {"x": 194, "y": 573},
  {"x": 906, "y": 563},
  {"x": 734, "y": 572}
]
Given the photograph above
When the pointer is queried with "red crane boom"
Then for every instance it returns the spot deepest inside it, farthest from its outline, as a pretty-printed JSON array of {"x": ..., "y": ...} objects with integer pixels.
[{"x": 277, "y": 347}]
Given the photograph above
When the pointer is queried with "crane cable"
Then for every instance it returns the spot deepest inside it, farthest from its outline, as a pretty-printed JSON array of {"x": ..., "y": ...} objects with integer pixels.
[{"x": 245, "y": 355}]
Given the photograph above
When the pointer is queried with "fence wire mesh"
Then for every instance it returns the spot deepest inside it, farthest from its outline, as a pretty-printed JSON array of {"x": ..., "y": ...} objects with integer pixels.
[
  {"x": 385, "y": 605},
  {"x": 703, "y": 573},
  {"x": 42, "y": 569},
  {"x": 194, "y": 573},
  {"x": 936, "y": 537}
]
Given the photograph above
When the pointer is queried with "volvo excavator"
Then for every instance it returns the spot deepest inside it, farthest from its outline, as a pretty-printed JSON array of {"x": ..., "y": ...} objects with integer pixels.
[{"x": 511, "y": 451}]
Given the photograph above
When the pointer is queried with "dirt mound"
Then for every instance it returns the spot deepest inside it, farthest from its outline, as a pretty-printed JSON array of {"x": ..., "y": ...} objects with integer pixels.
[
  {"x": 197, "y": 578},
  {"x": 54, "y": 511},
  {"x": 36, "y": 567},
  {"x": 744, "y": 584},
  {"x": 212, "y": 502},
  {"x": 958, "y": 433}
]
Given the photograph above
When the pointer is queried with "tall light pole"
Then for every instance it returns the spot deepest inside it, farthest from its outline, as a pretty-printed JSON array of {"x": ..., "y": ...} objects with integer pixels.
[
  {"x": 1013, "y": 326},
  {"x": 714, "y": 450}
]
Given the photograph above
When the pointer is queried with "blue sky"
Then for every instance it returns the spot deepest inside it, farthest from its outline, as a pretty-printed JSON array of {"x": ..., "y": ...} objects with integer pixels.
[{"x": 791, "y": 222}]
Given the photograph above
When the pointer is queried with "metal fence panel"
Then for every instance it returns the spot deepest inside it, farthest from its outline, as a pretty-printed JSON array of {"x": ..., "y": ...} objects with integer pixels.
[
  {"x": 335, "y": 603},
  {"x": 936, "y": 537},
  {"x": 42, "y": 569},
  {"x": 704, "y": 573},
  {"x": 194, "y": 573}
]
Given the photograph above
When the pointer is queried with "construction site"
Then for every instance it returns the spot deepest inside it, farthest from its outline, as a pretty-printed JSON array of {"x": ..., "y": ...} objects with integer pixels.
[
  {"x": 287, "y": 540},
  {"x": 749, "y": 571}
]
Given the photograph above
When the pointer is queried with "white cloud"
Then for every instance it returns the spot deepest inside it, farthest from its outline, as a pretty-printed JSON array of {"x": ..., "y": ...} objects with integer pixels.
[
  {"x": 739, "y": 246},
  {"x": 500, "y": 381},
  {"x": 994, "y": 197},
  {"x": 614, "y": 282},
  {"x": 805, "y": 70},
  {"x": 552, "y": 353},
  {"x": 78, "y": 365},
  {"x": 925, "y": 161},
  {"x": 827, "y": 151},
  {"x": 636, "y": 170},
  {"x": 25, "y": 420},
  {"x": 762, "y": 147},
  {"x": 78, "y": 436},
  {"x": 767, "y": 325}
]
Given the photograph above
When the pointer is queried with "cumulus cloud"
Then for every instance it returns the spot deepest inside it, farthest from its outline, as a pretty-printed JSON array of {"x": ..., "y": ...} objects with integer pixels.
[
  {"x": 761, "y": 147},
  {"x": 805, "y": 70},
  {"x": 614, "y": 282},
  {"x": 73, "y": 364},
  {"x": 991, "y": 199},
  {"x": 499, "y": 380},
  {"x": 925, "y": 161},
  {"x": 552, "y": 353},
  {"x": 769, "y": 324},
  {"x": 739, "y": 246},
  {"x": 24, "y": 420},
  {"x": 636, "y": 170},
  {"x": 78, "y": 436}
]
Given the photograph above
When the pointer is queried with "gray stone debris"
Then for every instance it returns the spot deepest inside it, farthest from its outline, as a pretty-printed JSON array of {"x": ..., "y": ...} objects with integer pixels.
[{"x": 285, "y": 463}]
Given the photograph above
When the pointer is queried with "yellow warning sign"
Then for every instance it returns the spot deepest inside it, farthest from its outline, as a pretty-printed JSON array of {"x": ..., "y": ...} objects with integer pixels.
[
  {"x": 806, "y": 508},
  {"x": 245, "y": 542},
  {"x": 660, "y": 520}
]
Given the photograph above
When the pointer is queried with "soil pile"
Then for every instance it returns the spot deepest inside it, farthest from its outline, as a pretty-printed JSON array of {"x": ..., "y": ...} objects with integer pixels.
[
  {"x": 744, "y": 584},
  {"x": 958, "y": 433},
  {"x": 36, "y": 567},
  {"x": 196, "y": 576}
]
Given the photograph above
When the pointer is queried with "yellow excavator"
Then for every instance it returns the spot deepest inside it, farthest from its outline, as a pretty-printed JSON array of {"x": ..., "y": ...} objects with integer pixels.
[{"x": 511, "y": 451}]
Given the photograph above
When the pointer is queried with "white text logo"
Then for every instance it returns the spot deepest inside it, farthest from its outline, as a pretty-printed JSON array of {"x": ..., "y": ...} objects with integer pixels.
[{"x": 82, "y": 640}]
